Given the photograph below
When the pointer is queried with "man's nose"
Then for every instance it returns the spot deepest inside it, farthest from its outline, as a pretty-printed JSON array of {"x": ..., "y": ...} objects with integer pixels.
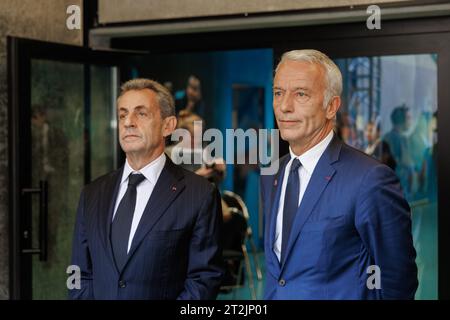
[
  {"x": 287, "y": 104},
  {"x": 129, "y": 121}
]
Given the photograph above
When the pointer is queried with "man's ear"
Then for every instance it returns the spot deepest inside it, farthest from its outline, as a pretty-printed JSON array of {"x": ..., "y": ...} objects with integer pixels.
[
  {"x": 169, "y": 125},
  {"x": 333, "y": 107}
]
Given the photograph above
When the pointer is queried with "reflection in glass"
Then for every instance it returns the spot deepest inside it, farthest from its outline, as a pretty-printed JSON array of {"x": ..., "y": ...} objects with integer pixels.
[
  {"x": 59, "y": 135},
  {"x": 57, "y": 124},
  {"x": 103, "y": 122},
  {"x": 389, "y": 111}
]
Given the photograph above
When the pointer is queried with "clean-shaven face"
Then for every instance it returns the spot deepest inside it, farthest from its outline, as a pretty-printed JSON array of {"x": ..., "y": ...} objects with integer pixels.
[
  {"x": 298, "y": 97},
  {"x": 140, "y": 122}
]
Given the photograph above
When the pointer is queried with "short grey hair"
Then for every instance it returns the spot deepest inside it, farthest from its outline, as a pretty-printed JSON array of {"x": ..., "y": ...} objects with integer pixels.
[
  {"x": 332, "y": 73},
  {"x": 165, "y": 99}
]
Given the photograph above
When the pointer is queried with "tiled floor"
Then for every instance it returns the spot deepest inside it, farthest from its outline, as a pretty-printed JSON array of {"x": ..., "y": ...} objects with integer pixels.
[{"x": 244, "y": 293}]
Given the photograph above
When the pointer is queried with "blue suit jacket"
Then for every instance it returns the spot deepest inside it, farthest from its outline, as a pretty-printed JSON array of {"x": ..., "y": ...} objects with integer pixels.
[
  {"x": 352, "y": 215},
  {"x": 175, "y": 253}
]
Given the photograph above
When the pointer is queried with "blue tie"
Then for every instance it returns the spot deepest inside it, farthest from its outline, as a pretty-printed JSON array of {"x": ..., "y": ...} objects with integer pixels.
[
  {"x": 121, "y": 225},
  {"x": 290, "y": 205}
]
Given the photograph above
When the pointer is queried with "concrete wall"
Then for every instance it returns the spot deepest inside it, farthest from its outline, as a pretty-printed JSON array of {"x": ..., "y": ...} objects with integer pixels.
[
  {"x": 42, "y": 20},
  {"x": 139, "y": 10}
]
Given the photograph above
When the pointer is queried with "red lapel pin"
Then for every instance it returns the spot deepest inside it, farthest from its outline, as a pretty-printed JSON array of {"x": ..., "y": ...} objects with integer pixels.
[{"x": 328, "y": 178}]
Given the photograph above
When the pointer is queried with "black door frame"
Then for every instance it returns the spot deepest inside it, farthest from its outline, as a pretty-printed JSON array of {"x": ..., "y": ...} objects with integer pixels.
[
  {"x": 20, "y": 53},
  {"x": 405, "y": 36}
]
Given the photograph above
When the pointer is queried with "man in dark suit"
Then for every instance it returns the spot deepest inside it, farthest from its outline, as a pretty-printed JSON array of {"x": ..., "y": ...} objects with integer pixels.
[
  {"x": 149, "y": 230},
  {"x": 337, "y": 224}
]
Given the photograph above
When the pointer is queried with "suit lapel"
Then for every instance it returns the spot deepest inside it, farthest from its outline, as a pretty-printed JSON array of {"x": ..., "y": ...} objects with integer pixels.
[
  {"x": 110, "y": 190},
  {"x": 321, "y": 177},
  {"x": 275, "y": 190},
  {"x": 275, "y": 198},
  {"x": 169, "y": 185}
]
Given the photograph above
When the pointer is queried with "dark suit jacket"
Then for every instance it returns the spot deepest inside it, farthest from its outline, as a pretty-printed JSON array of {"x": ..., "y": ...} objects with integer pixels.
[
  {"x": 352, "y": 216},
  {"x": 175, "y": 253}
]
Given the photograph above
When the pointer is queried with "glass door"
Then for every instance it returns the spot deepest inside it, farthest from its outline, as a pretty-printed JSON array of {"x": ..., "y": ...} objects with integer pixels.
[
  {"x": 399, "y": 128},
  {"x": 63, "y": 125}
]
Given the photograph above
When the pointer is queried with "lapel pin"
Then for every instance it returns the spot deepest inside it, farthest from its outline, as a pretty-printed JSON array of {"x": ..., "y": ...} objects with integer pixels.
[
  {"x": 275, "y": 182},
  {"x": 328, "y": 178},
  {"x": 174, "y": 188}
]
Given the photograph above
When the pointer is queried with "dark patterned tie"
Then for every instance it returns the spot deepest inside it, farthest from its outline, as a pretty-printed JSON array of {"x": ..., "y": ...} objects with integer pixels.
[
  {"x": 121, "y": 225},
  {"x": 290, "y": 205}
]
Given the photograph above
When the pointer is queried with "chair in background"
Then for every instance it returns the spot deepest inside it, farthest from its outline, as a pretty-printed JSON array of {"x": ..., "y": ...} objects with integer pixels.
[{"x": 238, "y": 234}]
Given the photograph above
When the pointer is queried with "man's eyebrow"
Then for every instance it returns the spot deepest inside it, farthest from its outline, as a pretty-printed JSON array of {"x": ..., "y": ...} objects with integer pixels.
[
  {"x": 301, "y": 88},
  {"x": 294, "y": 89},
  {"x": 139, "y": 107}
]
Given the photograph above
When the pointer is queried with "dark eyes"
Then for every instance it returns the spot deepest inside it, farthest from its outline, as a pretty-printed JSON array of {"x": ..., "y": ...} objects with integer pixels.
[
  {"x": 277, "y": 93},
  {"x": 300, "y": 94},
  {"x": 140, "y": 114}
]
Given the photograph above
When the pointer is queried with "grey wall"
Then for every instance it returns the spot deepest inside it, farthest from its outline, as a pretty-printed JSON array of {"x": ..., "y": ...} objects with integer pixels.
[
  {"x": 138, "y": 10},
  {"x": 42, "y": 20}
]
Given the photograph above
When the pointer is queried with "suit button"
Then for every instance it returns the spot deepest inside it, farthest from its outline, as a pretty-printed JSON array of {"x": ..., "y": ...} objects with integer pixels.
[
  {"x": 122, "y": 284},
  {"x": 282, "y": 282}
]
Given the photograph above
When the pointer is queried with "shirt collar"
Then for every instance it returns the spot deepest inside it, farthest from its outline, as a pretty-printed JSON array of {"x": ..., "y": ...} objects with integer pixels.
[
  {"x": 151, "y": 171},
  {"x": 310, "y": 158}
]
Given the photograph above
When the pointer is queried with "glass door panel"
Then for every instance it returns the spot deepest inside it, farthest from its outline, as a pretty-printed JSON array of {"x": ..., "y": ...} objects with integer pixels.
[
  {"x": 57, "y": 144},
  {"x": 103, "y": 120},
  {"x": 67, "y": 146},
  {"x": 398, "y": 126}
]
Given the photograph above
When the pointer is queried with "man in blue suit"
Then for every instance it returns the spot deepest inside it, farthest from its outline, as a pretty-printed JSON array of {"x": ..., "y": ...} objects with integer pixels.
[
  {"x": 149, "y": 230},
  {"x": 337, "y": 224}
]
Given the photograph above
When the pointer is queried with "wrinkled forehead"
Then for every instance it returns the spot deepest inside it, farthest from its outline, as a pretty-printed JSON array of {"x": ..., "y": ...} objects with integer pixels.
[
  {"x": 292, "y": 74},
  {"x": 137, "y": 99}
]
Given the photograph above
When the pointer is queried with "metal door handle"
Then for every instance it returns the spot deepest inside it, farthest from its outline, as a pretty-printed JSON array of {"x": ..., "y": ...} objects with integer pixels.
[{"x": 43, "y": 220}]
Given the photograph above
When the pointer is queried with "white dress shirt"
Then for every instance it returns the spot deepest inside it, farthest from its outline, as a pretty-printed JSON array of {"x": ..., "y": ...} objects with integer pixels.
[
  {"x": 309, "y": 161},
  {"x": 144, "y": 190}
]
